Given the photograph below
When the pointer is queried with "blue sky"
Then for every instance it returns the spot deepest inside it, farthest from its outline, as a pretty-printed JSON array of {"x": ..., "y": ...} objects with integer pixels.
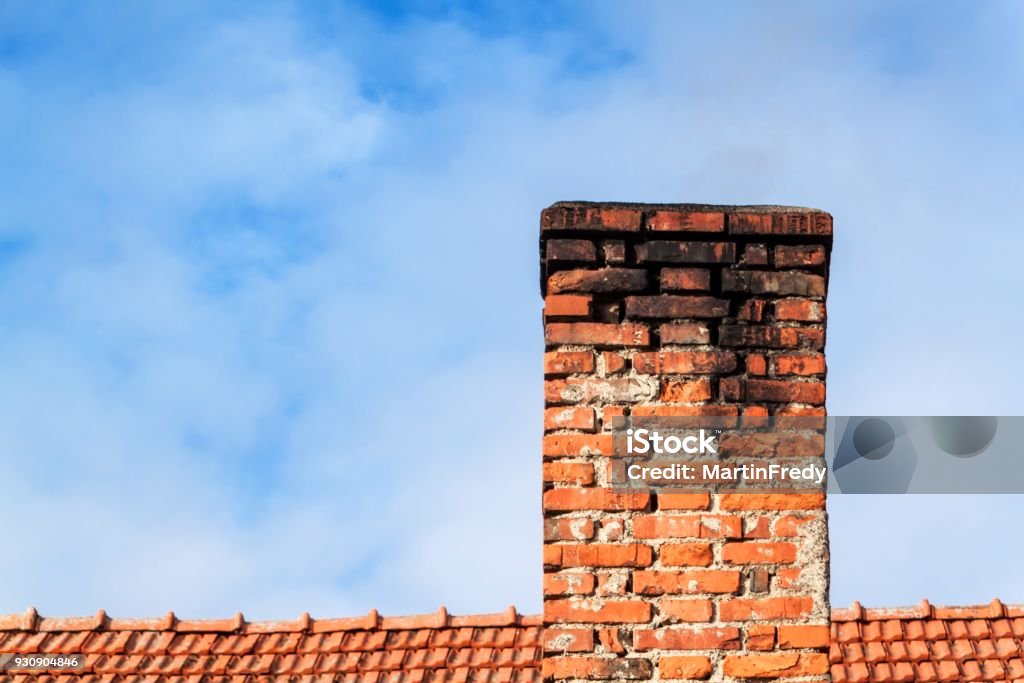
[{"x": 271, "y": 336}]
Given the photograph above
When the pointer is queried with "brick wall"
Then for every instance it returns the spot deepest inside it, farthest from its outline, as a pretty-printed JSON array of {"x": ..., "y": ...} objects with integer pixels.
[{"x": 680, "y": 310}]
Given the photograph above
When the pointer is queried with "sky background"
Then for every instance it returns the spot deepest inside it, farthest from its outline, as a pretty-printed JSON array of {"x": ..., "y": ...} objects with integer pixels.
[{"x": 270, "y": 328}]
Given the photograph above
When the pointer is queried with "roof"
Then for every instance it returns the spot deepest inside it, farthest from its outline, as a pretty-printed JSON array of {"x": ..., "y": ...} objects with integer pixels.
[{"x": 922, "y": 643}]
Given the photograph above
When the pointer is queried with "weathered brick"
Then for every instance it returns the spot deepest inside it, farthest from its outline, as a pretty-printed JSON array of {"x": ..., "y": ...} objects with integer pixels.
[
  {"x": 568, "y": 529},
  {"x": 756, "y": 552},
  {"x": 776, "y": 665},
  {"x": 685, "y": 333},
  {"x": 594, "y": 499},
  {"x": 613, "y": 362},
  {"x": 689, "y": 667},
  {"x": 674, "y": 306},
  {"x": 603, "y": 280},
  {"x": 590, "y": 218},
  {"x": 599, "y": 668},
  {"x": 687, "y": 221},
  {"x": 686, "y": 252},
  {"x": 757, "y": 364},
  {"x": 687, "y": 638},
  {"x": 686, "y": 554},
  {"x": 769, "y": 282},
  {"x": 685, "y": 279},
  {"x": 686, "y": 391},
  {"x": 799, "y": 364},
  {"x": 567, "y": 305},
  {"x": 598, "y": 555},
  {"x": 578, "y": 473},
  {"x": 561, "y": 445},
  {"x": 765, "y": 609},
  {"x": 568, "y": 362},
  {"x": 687, "y": 526},
  {"x": 802, "y": 256},
  {"x": 759, "y": 637},
  {"x": 751, "y": 310},
  {"x": 800, "y": 636},
  {"x": 743, "y": 223},
  {"x": 685, "y": 362},
  {"x": 597, "y": 334},
  {"x": 684, "y": 501},
  {"x": 614, "y": 251},
  {"x": 568, "y": 611},
  {"x": 691, "y": 611},
  {"x": 568, "y": 640},
  {"x": 610, "y": 390},
  {"x": 766, "y": 336},
  {"x": 569, "y": 583},
  {"x": 772, "y": 501},
  {"x": 801, "y": 310},
  {"x": 755, "y": 255},
  {"x": 779, "y": 391},
  {"x": 582, "y": 419},
  {"x": 571, "y": 250},
  {"x": 660, "y": 582}
]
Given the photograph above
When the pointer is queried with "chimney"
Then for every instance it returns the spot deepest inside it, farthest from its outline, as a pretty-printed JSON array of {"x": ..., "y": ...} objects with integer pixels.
[{"x": 680, "y": 309}]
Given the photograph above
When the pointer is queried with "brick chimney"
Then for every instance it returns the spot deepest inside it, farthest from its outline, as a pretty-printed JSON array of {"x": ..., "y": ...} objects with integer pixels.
[{"x": 680, "y": 310}]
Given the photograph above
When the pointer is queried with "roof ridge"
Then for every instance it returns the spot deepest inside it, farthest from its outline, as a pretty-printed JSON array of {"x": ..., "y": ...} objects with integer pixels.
[
  {"x": 30, "y": 620},
  {"x": 996, "y": 609}
]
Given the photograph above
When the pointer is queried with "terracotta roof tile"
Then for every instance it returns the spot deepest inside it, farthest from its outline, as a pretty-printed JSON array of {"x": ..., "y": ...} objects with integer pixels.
[{"x": 919, "y": 643}]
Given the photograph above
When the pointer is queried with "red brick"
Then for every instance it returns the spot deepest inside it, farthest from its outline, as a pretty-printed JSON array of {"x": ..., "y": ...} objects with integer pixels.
[
  {"x": 568, "y": 529},
  {"x": 659, "y": 582},
  {"x": 611, "y": 640},
  {"x": 690, "y": 667},
  {"x": 751, "y": 311},
  {"x": 686, "y": 391},
  {"x": 686, "y": 554},
  {"x": 613, "y": 389},
  {"x": 756, "y": 528},
  {"x": 799, "y": 256},
  {"x": 613, "y": 362},
  {"x": 771, "y": 282},
  {"x": 687, "y": 526},
  {"x": 597, "y": 334},
  {"x": 596, "y": 611},
  {"x": 570, "y": 418},
  {"x": 566, "y": 583},
  {"x": 614, "y": 251},
  {"x": 788, "y": 577},
  {"x": 685, "y": 333},
  {"x": 802, "y": 364},
  {"x": 612, "y": 583},
  {"x": 703, "y": 410},
  {"x": 577, "y": 473},
  {"x": 776, "y": 391},
  {"x": 776, "y": 665},
  {"x": 687, "y": 638},
  {"x": 564, "y": 305},
  {"x": 684, "y": 501},
  {"x": 596, "y": 668},
  {"x": 673, "y": 306},
  {"x": 685, "y": 362},
  {"x": 755, "y": 255},
  {"x": 686, "y": 252},
  {"x": 590, "y": 218},
  {"x": 759, "y": 637},
  {"x": 759, "y": 553},
  {"x": 803, "y": 636},
  {"x": 568, "y": 640},
  {"x": 571, "y": 250},
  {"x": 604, "y": 280},
  {"x": 816, "y": 223},
  {"x": 772, "y": 501},
  {"x": 802, "y": 310},
  {"x": 788, "y": 526},
  {"x": 757, "y": 364},
  {"x": 559, "y": 445},
  {"x": 687, "y": 221},
  {"x": 765, "y": 609},
  {"x": 598, "y": 555},
  {"x": 594, "y": 499},
  {"x": 689, "y": 611},
  {"x": 685, "y": 279},
  {"x": 768, "y": 336},
  {"x": 568, "y": 362}
]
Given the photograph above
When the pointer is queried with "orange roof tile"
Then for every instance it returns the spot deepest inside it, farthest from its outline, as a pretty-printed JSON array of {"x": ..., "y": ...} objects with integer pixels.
[{"x": 921, "y": 643}]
